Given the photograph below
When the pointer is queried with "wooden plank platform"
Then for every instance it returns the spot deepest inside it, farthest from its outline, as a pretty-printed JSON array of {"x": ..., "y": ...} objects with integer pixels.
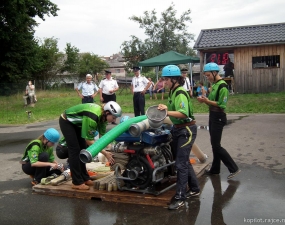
[{"x": 65, "y": 190}]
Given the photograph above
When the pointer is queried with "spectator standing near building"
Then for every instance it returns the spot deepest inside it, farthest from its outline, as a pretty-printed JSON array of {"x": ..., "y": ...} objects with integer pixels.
[
  {"x": 229, "y": 68},
  {"x": 139, "y": 86},
  {"x": 159, "y": 88},
  {"x": 184, "y": 131},
  {"x": 108, "y": 88},
  {"x": 89, "y": 90},
  {"x": 187, "y": 84},
  {"x": 217, "y": 102}
]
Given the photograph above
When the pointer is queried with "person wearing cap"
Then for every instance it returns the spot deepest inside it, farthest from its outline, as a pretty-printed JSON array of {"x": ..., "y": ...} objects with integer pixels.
[
  {"x": 78, "y": 125},
  {"x": 184, "y": 131},
  {"x": 108, "y": 88},
  {"x": 139, "y": 86},
  {"x": 89, "y": 90},
  {"x": 187, "y": 84},
  {"x": 217, "y": 102},
  {"x": 38, "y": 160}
]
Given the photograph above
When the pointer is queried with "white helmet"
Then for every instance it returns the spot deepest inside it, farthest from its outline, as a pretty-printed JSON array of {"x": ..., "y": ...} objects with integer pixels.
[{"x": 114, "y": 108}]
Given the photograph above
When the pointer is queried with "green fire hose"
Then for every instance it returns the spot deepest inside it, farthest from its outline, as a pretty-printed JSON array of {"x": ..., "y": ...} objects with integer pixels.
[{"x": 86, "y": 155}]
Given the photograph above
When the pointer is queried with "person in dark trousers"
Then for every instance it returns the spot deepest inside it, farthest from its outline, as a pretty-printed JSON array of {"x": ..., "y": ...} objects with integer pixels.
[
  {"x": 187, "y": 84},
  {"x": 108, "y": 88},
  {"x": 180, "y": 111},
  {"x": 89, "y": 90},
  {"x": 38, "y": 160},
  {"x": 229, "y": 68},
  {"x": 78, "y": 125},
  {"x": 139, "y": 86},
  {"x": 217, "y": 102}
]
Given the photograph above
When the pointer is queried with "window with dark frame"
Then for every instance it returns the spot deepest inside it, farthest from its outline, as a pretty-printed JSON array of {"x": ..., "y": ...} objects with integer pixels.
[{"x": 271, "y": 61}]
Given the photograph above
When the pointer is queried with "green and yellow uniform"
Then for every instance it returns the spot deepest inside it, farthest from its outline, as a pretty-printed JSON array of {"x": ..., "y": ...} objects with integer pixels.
[
  {"x": 33, "y": 150},
  {"x": 219, "y": 94},
  {"x": 88, "y": 117},
  {"x": 179, "y": 100}
]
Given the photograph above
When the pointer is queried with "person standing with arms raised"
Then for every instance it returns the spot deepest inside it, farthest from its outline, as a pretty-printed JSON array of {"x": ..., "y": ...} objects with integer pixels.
[
  {"x": 139, "y": 86},
  {"x": 217, "y": 102},
  {"x": 108, "y": 88},
  {"x": 89, "y": 90}
]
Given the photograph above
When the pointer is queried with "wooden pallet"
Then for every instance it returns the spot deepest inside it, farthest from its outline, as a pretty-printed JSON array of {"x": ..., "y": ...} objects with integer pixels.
[{"x": 65, "y": 190}]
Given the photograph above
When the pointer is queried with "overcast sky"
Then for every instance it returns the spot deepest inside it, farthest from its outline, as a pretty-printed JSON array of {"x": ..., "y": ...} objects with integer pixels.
[{"x": 101, "y": 27}]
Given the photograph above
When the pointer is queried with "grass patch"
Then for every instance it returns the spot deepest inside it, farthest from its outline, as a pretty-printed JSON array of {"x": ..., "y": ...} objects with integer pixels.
[{"x": 52, "y": 103}]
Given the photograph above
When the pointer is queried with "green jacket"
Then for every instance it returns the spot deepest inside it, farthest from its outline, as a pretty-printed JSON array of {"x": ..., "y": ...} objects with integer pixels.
[
  {"x": 222, "y": 97},
  {"x": 89, "y": 118},
  {"x": 179, "y": 100},
  {"x": 34, "y": 148}
]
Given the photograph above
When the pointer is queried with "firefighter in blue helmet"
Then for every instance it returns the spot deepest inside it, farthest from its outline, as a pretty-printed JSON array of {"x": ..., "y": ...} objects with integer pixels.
[
  {"x": 217, "y": 102},
  {"x": 38, "y": 159},
  {"x": 184, "y": 132}
]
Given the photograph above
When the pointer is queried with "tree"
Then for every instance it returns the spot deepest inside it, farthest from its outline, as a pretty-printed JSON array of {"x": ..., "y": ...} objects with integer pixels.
[
  {"x": 48, "y": 61},
  {"x": 163, "y": 35},
  {"x": 71, "y": 61},
  {"x": 90, "y": 63},
  {"x": 17, "y": 43}
]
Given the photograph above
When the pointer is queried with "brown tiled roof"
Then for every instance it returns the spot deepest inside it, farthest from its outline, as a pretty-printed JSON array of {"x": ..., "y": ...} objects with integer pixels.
[{"x": 241, "y": 36}]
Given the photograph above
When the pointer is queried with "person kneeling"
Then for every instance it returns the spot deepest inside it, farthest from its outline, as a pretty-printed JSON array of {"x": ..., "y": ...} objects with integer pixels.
[{"x": 38, "y": 159}]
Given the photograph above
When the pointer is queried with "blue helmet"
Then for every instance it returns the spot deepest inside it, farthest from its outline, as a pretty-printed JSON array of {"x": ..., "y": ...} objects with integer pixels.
[
  {"x": 171, "y": 71},
  {"x": 52, "y": 135},
  {"x": 211, "y": 67},
  {"x": 124, "y": 118}
]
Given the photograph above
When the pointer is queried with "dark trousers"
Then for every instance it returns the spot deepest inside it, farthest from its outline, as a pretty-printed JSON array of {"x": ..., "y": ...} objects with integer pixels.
[
  {"x": 139, "y": 103},
  {"x": 75, "y": 143},
  {"x": 39, "y": 172},
  {"x": 217, "y": 121},
  {"x": 182, "y": 141},
  {"x": 87, "y": 99},
  {"x": 108, "y": 98}
]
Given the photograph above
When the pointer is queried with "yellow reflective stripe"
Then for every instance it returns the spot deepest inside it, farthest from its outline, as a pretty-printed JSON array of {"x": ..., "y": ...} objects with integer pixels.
[{"x": 190, "y": 137}]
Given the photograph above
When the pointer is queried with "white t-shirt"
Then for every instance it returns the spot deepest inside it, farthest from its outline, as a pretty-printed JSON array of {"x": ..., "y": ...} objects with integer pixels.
[
  {"x": 187, "y": 84},
  {"x": 139, "y": 83},
  {"x": 30, "y": 90},
  {"x": 108, "y": 85}
]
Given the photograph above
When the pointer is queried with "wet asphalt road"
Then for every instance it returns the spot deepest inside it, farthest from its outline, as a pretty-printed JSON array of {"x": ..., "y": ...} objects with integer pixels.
[{"x": 255, "y": 196}]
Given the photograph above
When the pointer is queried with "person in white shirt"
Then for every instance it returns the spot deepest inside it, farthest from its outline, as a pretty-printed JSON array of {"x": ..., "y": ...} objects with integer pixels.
[
  {"x": 139, "y": 86},
  {"x": 107, "y": 88},
  {"x": 187, "y": 84},
  {"x": 89, "y": 90}
]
